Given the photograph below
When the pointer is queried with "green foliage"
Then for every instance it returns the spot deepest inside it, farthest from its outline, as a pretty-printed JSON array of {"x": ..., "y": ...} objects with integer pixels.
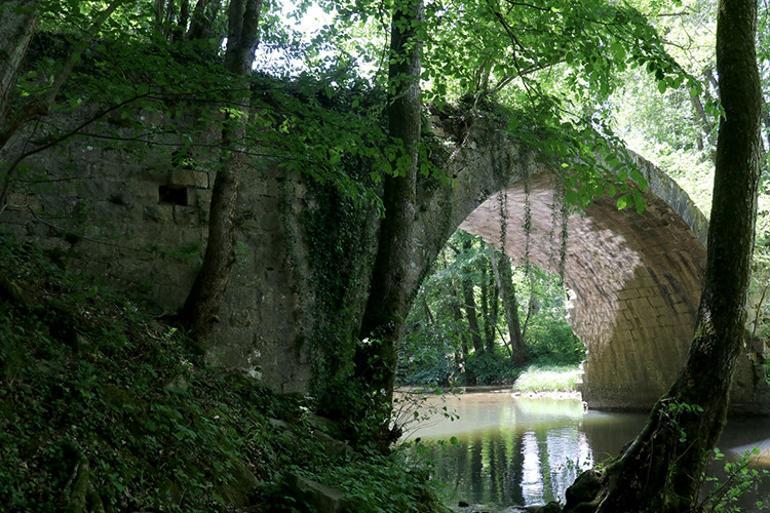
[
  {"x": 386, "y": 484},
  {"x": 491, "y": 368},
  {"x": 438, "y": 329},
  {"x": 677, "y": 411},
  {"x": 724, "y": 494},
  {"x": 101, "y": 402},
  {"x": 551, "y": 341},
  {"x": 86, "y": 377}
]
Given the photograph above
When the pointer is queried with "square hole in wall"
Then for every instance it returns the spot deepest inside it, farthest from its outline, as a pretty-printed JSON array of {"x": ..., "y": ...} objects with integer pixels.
[{"x": 173, "y": 195}]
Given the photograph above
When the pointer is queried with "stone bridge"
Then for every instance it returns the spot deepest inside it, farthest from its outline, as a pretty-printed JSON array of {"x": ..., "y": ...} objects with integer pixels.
[{"x": 634, "y": 279}]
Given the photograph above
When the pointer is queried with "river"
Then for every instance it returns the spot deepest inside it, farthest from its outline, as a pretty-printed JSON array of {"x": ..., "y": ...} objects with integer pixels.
[{"x": 504, "y": 450}]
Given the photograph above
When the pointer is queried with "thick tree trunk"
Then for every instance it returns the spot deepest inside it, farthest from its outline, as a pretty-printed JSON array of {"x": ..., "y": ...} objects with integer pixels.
[
  {"x": 201, "y": 308},
  {"x": 17, "y": 24},
  {"x": 504, "y": 277},
  {"x": 662, "y": 469},
  {"x": 389, "y": 297}
]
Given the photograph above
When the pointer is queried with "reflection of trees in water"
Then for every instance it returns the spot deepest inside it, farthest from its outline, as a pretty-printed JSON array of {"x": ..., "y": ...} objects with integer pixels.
[
  {"x": 477, "y": 464},
  {"x": 516, "y": 471},
  {"x": 505, "y": 467},
  {"x": 508, "y": 467}
]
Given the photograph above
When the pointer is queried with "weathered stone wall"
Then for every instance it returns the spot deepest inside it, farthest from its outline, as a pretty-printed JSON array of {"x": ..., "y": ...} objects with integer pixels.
[{"x": 127, "y": 214}]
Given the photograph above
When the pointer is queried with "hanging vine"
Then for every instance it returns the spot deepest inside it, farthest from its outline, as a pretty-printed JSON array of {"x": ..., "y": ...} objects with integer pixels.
[
  {"x": 527, "y": 224},
  {"x": 502, "y": 203},
  {"x": 555, "y": 213},
  {"x": 564, "y": 232}
]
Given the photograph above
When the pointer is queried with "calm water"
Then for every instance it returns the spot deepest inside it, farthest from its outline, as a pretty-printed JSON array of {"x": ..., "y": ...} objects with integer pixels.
[{"x": 524, "y": 451}]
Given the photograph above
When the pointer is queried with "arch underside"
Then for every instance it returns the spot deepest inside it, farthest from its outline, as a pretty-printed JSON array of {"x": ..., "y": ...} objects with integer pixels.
[{"x": 636, "y": 281}]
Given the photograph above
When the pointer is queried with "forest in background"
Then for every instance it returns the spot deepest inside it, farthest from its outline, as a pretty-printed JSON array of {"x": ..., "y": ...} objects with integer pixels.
[{"x": 459, "y": 329}]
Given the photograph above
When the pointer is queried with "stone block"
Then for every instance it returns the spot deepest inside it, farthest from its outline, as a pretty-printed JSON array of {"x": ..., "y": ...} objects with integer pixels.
[
  {"x": 322, "y": 498},
  {"x": 185, "y": 216},
  {"x": 647, "y": 292},
  {"x": 628, "y": 294},
  {"x": 144, "y": 191},
  {"x": 21, "y": 201},
  {"x": 189, "y": 178},
  {"x": 203, "y": 198},
  {"x": 158, "y": 213}
]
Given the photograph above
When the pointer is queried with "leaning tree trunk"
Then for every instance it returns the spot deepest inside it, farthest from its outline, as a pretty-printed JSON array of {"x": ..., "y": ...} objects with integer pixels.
[
  {"x": 202, "y": 305},
  {"x": 389, "y": 296},
  {"x": 503, "y": 275},
  {"x": 19, "y": 16},
  {"x": 17, "y": 24},
  {"x": 469, "y": 305},
  {"x": 662, "y": 469}
]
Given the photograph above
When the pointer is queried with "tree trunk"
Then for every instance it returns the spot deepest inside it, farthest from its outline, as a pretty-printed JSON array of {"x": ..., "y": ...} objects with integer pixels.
[
  {"x": 503, "y": 275},
  {"x": 454, "y": 305},
  {"x": 469, "y": 304},
  {"x": 428, "y": 313},
  {"x": 662, "y": 469},
  {"x": 490, "y": 324},
  {"x": 389, "y": 298},
  {"x": 700, "y": 113},
  {"x": 180, "y": 27},
  {"x": 17, "y": 24},
  {"x": 169, "y": 18},
  {"x": 470, "y": 377},
  {"x": 485, "y": 304},
  {"x": 202, "y": 20},
  {"x": 200, "y": 310}
]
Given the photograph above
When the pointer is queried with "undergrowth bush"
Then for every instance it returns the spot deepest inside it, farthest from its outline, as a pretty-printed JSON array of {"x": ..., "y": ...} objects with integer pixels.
[
  {"x": 491, "y": 368},
  {"x": 104, "y": 409}
]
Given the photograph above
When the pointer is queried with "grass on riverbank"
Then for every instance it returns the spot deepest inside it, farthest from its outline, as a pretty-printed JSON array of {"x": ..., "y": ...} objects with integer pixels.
[{"x": 548, "y": 379}]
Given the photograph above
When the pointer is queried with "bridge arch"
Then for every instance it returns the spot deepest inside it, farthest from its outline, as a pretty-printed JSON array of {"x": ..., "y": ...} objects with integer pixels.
[{"x": 636, "y": 278}]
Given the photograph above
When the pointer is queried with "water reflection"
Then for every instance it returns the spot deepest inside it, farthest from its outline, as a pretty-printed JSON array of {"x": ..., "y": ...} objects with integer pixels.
[{"x": 526, "y": 451}]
